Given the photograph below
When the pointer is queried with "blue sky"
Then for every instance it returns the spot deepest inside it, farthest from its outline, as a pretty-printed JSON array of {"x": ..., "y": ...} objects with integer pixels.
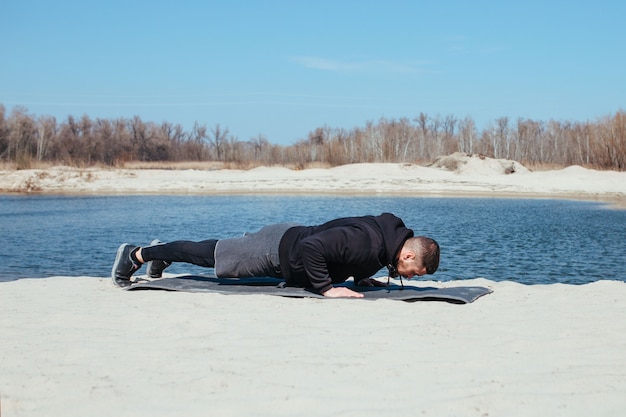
[{"x": 284, "y": 68}]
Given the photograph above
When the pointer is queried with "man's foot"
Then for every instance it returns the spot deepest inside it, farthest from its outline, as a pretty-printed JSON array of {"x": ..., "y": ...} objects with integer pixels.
[
  {"x": 124, "y": 266},
  {"x": 155, "y": 268}
]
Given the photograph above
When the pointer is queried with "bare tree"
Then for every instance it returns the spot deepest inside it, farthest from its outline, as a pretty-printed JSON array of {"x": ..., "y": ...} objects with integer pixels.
[
  {"x": 316, "y": 141},
  {"x": 200, "y": 139},
  {"x": 25, "y": 138},
  {"x": 611, "y": 141},
  {"x": 46, "y": 129},
  {"x": 262, "y": 149},
  {"x": 529, "y": 143},
  {"x": 21, "y": 136},
  {"x": 4, "y": 134},
  {"x": 467, "y": 135},
  {"x": 218, "y": 140}
]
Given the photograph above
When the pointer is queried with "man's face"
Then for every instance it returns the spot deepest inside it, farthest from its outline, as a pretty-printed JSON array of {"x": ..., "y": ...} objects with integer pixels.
[{"x": 409, "y": 267}]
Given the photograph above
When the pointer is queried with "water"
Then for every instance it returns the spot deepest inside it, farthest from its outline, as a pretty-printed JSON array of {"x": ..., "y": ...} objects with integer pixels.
[{"x": 527, "y": 241}]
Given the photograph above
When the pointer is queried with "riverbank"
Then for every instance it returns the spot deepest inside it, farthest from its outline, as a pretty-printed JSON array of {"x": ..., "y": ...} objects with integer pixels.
[{"x": 455, "y": 175}]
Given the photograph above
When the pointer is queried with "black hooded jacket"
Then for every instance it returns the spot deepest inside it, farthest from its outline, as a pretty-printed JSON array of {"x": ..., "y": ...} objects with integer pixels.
[{"x": 317, "y": 257}]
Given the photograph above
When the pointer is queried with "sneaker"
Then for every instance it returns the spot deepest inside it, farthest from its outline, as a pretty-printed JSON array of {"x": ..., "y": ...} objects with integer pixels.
[
  {"x": 124, "y": 267},
  {"x": 155, "y": 268}
]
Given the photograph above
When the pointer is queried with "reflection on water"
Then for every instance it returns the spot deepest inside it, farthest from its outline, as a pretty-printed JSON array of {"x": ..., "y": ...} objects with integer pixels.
[{"x": 528, "y": 241}]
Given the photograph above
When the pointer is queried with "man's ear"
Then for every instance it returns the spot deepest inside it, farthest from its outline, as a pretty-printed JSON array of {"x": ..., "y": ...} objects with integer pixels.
[{"x": 408, "y": 254}]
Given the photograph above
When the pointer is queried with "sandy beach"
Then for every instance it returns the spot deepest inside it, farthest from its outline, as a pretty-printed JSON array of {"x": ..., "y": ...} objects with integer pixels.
[
  {"x": 455, "y": 175},
  {"x": 78, "y": 346}
]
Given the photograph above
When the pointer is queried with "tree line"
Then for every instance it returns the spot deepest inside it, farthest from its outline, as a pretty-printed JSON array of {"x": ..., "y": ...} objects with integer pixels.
[{"x": 26, "y": 139}]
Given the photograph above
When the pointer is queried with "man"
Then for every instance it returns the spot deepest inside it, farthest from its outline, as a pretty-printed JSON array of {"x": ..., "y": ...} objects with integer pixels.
[{"x": 313, "y": 257}]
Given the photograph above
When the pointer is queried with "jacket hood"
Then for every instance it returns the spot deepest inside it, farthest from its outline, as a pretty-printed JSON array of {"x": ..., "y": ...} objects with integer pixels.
[{"x": 395, "y": 233}]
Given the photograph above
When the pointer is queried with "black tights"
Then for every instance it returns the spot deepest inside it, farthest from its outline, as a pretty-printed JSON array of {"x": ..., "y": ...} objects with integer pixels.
[{"x": 197, "y": 253}]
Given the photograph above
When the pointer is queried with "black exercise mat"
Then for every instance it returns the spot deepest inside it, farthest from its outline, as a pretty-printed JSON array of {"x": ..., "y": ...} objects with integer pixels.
[{"x": 272, "y": 286}]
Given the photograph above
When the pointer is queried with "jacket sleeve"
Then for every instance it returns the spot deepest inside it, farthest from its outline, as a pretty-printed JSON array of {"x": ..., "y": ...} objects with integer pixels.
[{"x": 345, "y": 245}]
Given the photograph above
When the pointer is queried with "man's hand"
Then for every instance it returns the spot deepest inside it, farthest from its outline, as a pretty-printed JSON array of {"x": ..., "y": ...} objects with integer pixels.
[
  {"x": 337, "y": 292},
  {"x": 370, "y": 282}
]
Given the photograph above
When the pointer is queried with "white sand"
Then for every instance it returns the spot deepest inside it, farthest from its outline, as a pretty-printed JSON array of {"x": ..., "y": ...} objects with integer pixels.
[
  {"x": 473, "y": 176},
  {"x": 81, "y": 347}
]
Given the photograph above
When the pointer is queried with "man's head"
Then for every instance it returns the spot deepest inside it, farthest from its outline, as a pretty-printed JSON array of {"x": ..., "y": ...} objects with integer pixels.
[{"x": 418, "y": 256}]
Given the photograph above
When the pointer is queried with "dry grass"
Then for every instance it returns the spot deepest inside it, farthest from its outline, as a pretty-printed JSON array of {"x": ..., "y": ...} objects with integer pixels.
[
  {"x": 212, "y": 165},
  {"x": 198, "y": 165},
  {"x": 14, "y": 166}
]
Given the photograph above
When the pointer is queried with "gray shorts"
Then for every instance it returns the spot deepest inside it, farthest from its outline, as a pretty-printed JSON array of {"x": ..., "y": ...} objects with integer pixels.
[{"x": 252, "y": 255}]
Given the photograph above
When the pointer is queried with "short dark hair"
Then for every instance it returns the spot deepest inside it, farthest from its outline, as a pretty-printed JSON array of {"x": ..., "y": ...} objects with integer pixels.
[{"x": 429, "y": 251}]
